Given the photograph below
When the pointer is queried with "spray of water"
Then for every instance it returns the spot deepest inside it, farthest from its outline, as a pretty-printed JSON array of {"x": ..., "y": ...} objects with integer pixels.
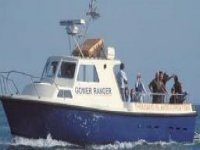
[
  {"x": 39, "y": 143},
  {"x": 140, "y": 144}
]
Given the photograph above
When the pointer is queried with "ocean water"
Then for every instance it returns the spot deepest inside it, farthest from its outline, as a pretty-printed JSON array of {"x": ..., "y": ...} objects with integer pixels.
[{"x": 9, "y": 142}]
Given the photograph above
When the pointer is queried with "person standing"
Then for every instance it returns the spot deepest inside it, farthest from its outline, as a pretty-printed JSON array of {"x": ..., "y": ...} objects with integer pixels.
[
  {"x": 172, "y": 99},
  {"x": 157, "y": 88},
  {"x": 127, "y": 94},
  {"x": 133, "y": 96},
  {"x": 122, "y": 81},
  {"x": 139, "y": 88},
  {"x": 166, "y": 78},
  {"x": 162, "y": 87},
  {"x": 178, "y": 91}
]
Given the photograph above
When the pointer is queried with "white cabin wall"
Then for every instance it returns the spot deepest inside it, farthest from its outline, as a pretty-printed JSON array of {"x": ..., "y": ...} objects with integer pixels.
[{"x": 107, "y": 82}]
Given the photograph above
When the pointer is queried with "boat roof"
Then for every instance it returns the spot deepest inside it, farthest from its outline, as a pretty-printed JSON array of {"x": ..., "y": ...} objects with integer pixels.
[{"x": 83, "y": 59}]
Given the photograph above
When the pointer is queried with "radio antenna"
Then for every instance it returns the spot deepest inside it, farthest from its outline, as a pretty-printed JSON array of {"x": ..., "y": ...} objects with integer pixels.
[{"x": 77, "y": 28}]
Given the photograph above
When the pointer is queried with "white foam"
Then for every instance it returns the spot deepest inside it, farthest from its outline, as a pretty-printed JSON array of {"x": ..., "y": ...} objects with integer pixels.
[
  {"x": 47, "y": 143},
  {"x": 118, "y": 145},
  {"x": 131, "y": 145},
  {"x": 197, "y": 138}
]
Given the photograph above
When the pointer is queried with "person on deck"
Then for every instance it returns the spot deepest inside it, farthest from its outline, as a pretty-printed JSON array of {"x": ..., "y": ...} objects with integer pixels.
[
  {"x": 178, "y": 91},
  {"x": 122, "y": 81},
  {"x": 153, "y": 87},
  {"x": 139, "y": 88},
  {"x": 172, "y": 99},
  {"x": 133, "y": 96},
  {"x": 166, "y": 78},
  {"x": 162, "y": 87},
  {"x": 157, "y": 88},
  {"x": 127, "y": 94}
]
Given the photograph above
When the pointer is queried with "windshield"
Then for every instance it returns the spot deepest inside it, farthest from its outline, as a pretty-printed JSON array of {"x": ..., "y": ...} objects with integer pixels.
[
  {"x": 67, "y": 70},
  {"x": 50, "y": 69}
]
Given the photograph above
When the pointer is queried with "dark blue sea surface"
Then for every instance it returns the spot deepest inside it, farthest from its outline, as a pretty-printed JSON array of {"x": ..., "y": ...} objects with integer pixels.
[{"x": 7, "y": 141}]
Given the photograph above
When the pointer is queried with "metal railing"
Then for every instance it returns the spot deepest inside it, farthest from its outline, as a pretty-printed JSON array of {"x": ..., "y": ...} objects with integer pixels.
[
  {"x": 9, "y": 87},
  {"x": 160, "y": 98},
  {"x": 7, "y": 84}
]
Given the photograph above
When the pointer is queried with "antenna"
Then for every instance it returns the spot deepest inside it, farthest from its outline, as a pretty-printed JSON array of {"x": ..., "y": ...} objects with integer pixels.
[
  {"x": 72, "y": 25},
  {"x": 92, "y": 12},
  {"x": 77, "y": 28},
  {"x": 72, "y": 28}
]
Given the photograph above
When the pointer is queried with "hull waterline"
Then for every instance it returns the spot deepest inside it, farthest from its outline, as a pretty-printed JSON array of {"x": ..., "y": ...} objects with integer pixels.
[{"x": 88, "y": 126}]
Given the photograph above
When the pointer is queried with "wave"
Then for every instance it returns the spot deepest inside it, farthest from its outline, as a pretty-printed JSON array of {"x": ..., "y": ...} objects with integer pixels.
[
  {"x": 196, "y": 138},
  {"x": 140, "y": 144},
  {"x": 22, "y": 142},
  {"x": 25, "y": 143},
  {"x": 131, "y": 145},
  {"x": 39, "y": 143}
]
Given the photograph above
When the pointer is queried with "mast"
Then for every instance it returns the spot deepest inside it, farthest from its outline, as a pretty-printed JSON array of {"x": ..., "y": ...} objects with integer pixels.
[{"x": 77, "y": 29}]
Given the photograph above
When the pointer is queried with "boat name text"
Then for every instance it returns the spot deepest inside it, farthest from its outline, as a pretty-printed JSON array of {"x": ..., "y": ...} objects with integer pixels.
[{"x": 93, "y": 91}]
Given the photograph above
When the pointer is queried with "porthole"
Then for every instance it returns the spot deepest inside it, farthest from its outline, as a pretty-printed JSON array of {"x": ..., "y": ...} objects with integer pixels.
[
  {"x": 156, "y": 127},
  {"x": 104, "y": 66},
  {"x": 185, "y": 129},
  {"x": 150, "y": 126}
]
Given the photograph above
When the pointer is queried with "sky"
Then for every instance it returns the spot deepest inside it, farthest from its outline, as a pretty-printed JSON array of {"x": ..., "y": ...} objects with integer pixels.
[{"x": 148, "y": 35}]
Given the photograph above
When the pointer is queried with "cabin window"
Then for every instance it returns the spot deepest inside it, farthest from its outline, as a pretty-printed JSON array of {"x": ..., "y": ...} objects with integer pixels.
[
  {"x": 50, "y": 69},
  {"x": 67, "y": 70},
  {"x": 88, "y": 73},
  {"x": 65, "y": 94}
]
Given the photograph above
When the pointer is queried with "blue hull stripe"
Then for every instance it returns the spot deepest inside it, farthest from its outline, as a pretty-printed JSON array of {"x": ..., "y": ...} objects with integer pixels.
[{"x": 87, "y": 126}]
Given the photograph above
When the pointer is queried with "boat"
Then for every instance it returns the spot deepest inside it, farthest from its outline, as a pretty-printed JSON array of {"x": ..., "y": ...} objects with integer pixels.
[{"x": 77, "y": 99}]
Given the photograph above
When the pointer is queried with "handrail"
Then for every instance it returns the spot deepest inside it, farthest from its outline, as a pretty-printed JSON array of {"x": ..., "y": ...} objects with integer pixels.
[
  {"x": 141, "y": 97},
  {"x": 6, "y": 79},
  {"x": 165, "y": 94},
  {"x": 4, "y": 85},
  {"x": 19, "y": 72}
]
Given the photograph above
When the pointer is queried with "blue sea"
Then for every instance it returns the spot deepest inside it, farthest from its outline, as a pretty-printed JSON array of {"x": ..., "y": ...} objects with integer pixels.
[{"x": 7, "y": 141}]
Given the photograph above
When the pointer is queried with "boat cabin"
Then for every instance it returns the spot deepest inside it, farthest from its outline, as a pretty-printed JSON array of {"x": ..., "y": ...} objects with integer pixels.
[
  {"x": 78, "y": 78},
  {"x": 87, "y": 75}
]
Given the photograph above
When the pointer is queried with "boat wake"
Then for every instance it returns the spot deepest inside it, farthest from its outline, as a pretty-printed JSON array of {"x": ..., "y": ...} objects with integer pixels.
[
  {"x": 40, "y": 143},
  {"x": 197, "y": 138},
  {"x": 142, "y": 144},
  {"x": 49, "y": 143},
  {"x": 134, "y": 145}
]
